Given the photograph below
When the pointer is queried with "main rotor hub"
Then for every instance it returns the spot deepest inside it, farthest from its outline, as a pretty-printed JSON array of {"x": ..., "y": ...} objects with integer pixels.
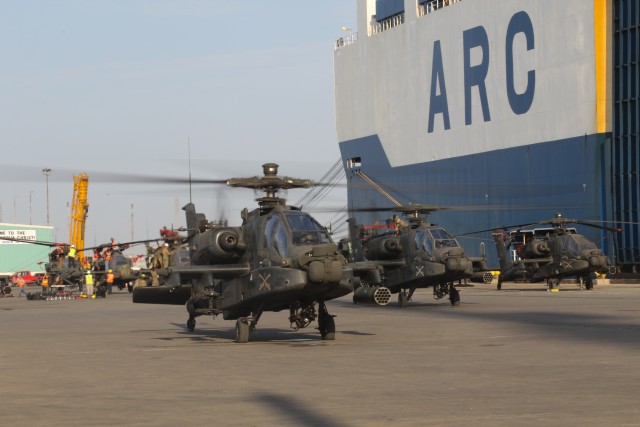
[
  {"x": 270, "y": 183},
  {"x": 270, "y": 169}
]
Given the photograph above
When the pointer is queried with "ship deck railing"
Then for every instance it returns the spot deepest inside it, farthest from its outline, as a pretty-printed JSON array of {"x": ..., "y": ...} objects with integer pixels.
[
  {"x": 351, "y": 38},
  {"x": 395, "y": 20},
  {"x": 386, "y": 24},
  {"x": 434, "y": 5}
]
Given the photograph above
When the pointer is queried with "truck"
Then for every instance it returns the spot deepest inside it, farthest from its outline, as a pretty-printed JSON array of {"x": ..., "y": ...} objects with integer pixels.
[{"x": 30, "y": 278}]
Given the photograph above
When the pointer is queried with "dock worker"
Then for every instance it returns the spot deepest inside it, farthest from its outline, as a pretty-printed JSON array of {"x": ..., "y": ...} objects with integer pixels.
[
  {"x": 110, "y": 278},
  {"x": 71, "y": 255},
  {"x": 88, "y": 282},
  {"x": 21, "y": 284},
  {"x": 107, "y": 258},
  {"x": 45, "y": 283}
]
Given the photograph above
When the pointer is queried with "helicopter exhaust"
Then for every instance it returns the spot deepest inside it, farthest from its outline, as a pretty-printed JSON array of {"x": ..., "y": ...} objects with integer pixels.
[
  {"x": 162, "y": 295},
  {"x": 378, "y": 295}
]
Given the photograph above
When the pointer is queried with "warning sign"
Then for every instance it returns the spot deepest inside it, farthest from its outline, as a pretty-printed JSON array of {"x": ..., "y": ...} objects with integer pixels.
[{"x": 15, "y": 236}]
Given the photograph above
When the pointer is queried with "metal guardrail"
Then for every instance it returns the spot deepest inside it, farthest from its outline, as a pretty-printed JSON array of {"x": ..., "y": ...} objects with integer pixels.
[
  {"x": 346, "y": 40},
  {"x": 393, "y": 21}
]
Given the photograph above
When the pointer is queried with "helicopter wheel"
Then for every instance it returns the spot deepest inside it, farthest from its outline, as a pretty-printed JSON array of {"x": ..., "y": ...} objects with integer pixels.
[
  {"x": 327, "y": 326},
  {"x": 403, "y": 299},
  {"x": 191, "y": 324},
  {"x": 588, "y": 284},
  {"x": 553, "y": 285},
  {"x": 242, "y": 330},
  {"x": 326, "y": 323},
  {"x": 499, "y": 283},
  {"x": 454, "y": 296}
]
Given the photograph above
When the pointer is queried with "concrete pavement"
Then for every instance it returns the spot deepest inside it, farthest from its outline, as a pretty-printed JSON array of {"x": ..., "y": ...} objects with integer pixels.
[{"x": 517, "y": 357}]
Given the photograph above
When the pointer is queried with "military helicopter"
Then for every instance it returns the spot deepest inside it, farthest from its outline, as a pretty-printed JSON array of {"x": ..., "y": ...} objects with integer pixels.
[
  {"x": 64, "y": 271},
  {"x": 549, "y": 254},
  {"x": 412, "y": 254},
  {"x": 60, "y": 270},
  {"x": 279, "y": 258}
]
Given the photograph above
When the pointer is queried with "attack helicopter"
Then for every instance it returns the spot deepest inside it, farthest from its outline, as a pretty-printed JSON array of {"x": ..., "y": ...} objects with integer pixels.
[
  {"x": 60, "y": 269},
  {"x": 66, "y": 271},
  {"x": 412, "y": 254},
  {"x": 551, "y": 253},
  {"x": 279, "y": 258}
]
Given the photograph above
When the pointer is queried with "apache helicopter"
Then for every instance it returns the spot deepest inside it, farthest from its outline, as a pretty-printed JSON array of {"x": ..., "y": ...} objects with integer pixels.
[
  {"x": 58, "y": 268},
  {"x": 64, "y": 271},
  {"x": 279, "y": 258},
  {"x": 413, "y": 254},
  {"x": 548, "y": 254}
]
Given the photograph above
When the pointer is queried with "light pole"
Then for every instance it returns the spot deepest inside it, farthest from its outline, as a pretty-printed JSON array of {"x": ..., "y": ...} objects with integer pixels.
[
  {"x": 15, "y": 219},
  {"x": 30, "y": 217},
  {"x": 47, "y": 172}
]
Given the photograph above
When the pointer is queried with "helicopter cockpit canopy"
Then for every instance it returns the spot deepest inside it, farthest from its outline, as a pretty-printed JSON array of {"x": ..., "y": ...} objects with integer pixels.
[
  {"x": 576, "y": 244},
  {"x": 303, "y": 229},
  {"x": 306, "y": 230},
  {"x": 432, "y": 238}
]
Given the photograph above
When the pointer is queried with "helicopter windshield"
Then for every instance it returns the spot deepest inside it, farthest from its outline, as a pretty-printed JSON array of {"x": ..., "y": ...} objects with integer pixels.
[
  {"x": 423, "y": 241},
  {"x": 576, "y": 243},
  {"x": 443, "y": 239},
  {"x": 305, "y": 229},
  {"x": 276, "y": 235}
]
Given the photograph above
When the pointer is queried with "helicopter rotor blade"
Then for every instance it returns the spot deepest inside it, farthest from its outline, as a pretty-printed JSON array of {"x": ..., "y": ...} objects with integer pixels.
[{"x": 601, "y": 227}]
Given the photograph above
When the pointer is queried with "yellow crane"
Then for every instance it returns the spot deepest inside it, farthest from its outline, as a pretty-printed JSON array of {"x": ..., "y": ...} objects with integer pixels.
[{"x": 79, "y": 211}]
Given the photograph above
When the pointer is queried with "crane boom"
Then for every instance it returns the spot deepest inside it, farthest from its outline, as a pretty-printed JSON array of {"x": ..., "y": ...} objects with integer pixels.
[{"x": 79, "y": 211}]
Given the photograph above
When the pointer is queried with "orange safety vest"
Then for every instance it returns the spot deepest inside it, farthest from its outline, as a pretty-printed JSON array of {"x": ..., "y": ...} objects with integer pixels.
[
  {"x": 110, "y": 277},
  {"x": 45, "y": 281}
]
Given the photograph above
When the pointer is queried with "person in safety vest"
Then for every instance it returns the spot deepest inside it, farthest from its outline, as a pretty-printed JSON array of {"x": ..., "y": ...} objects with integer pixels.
[
  {"x": 45, "y": 283},
  {"x": 21, "y": 284},
  {"x": 71, "y": 255},
  {"x": 107, "y": 259},
  {"x": 88, "y": 282},
  {"x": 110, "y": 278}
]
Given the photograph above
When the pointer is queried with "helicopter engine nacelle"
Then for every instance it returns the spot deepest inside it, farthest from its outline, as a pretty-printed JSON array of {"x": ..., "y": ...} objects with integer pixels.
[
  {"x": 218, "y": 245},
  {"x": 535, "y": 249},
  {"x": 380, "y": 248}
]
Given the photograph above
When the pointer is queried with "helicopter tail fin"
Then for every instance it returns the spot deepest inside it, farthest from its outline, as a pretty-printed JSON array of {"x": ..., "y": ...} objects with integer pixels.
[
  {"x": 501, "y": 248},
  {"x": 196, "y": 222},
  {"x": 355, "y": 234}
]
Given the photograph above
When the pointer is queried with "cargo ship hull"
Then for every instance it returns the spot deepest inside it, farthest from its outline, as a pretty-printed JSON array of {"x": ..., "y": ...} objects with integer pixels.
[{"x": 502, "y": 111}]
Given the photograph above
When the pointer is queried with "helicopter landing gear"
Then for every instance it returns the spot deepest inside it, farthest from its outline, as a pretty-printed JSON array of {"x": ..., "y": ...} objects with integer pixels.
[
  {"x": 499, "y": 283},
  {"x": 553, "y": 285},
  {"x": 454, "y": 295},
  {"x": 326, "y": 323},
  {"x": 242, "y": 330},
  {"x": 403, "y": 299},
  {"x": 440, "y": 290},
  {"x": 191, "y": 323},
  {"x": 588, "y": 284},
  {"x": 246, "y": 325},
  {"x": 585, "y": 282}
]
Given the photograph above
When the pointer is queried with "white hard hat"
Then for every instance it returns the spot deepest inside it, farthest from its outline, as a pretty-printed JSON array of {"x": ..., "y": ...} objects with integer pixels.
[{"x": 166, "y": 244}]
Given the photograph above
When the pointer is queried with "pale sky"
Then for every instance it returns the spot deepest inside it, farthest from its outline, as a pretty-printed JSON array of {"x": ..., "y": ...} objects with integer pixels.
[{"x": 125, "y": 86}]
